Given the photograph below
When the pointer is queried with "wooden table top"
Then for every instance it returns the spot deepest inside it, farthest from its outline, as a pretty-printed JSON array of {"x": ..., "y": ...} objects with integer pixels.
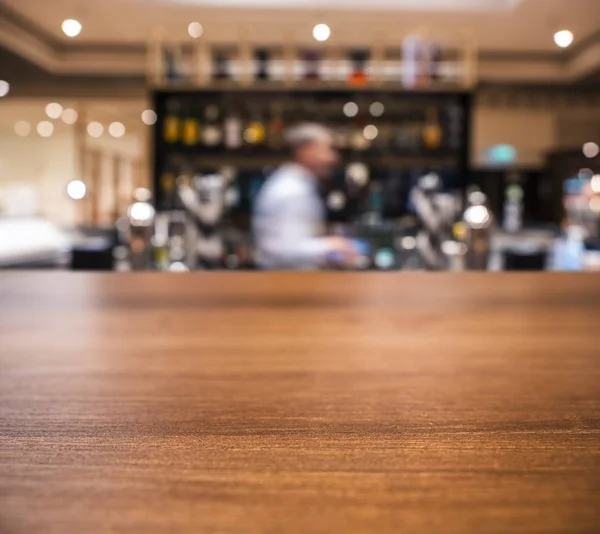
[{"x": 299, "y": 402}]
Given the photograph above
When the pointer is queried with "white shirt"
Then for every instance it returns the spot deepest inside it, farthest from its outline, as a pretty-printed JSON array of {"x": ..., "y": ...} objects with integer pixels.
[{"x": 288, "y": 218}]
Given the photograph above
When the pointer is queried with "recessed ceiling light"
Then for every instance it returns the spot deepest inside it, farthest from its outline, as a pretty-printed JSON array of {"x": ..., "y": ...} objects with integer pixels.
[
  {"x": 149, "y": 117},
  {"x": 22, "y": 129},
  {"x": 116, "y": 129},
  {"x": 45, "y": 128},
  {"x": 321, "y": 32},
  {"x": 563, "y": 38},
  {"x": 95, "y": 129},
  {"x": 4, "y": 88},
  {"x": 54, "y": 110},
  {"x": 71, "y": 27},
  {"x": 195, "y": 30},
  {"x": 69, "y": 116}
]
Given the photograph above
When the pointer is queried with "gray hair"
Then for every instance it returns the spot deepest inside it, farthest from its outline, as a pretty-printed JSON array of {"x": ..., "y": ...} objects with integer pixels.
[{"x": 306, "y": 133}]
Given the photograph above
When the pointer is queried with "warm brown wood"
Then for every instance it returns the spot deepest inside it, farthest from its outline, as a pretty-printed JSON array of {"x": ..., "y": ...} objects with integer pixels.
[{"x": 323, "y": 402}]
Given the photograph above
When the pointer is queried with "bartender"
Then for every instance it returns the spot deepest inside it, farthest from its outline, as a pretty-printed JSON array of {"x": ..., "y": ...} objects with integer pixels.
[{"x": 289, "y": 216}]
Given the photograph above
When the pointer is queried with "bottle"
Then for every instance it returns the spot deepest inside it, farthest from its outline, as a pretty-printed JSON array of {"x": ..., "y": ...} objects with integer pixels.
[
  {"x": 212, "y": 133},
  {"x": 172, "y": 123},
  {"x": 276, "y": 128},
  {"x": 358, "y": 75},
  {"x": 233, "y": 131},
  {"x": 190, "y": 130},
  {"x": 221, "y": 66},
  {"x": 262, "y": 64},
  {"x": 311, "y": 64},
  {"x": 432, "y": 131}
]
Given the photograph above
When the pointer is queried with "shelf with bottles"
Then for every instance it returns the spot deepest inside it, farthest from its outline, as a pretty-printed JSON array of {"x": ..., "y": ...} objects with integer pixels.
[
  {"x": 417, "y": 62},
  {"x": 241, "y": 123}
]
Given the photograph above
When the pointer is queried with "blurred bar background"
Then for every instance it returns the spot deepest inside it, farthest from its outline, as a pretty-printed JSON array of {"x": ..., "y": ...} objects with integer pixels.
[{"x": 468, "y": 131}]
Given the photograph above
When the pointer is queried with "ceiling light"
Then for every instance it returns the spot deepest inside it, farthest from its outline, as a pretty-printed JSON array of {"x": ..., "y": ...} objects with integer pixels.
[
  {"x": 22, "y": 129},
  {"x": 149, "y": 117},
  {"x": 69, "y": 116},
  {"x": 350, "y": 109},
  {"x": 321, "y": 32},
  {"x": 116, "y": 129},
  {"x": 4, "y": 88},
  {"x": 591, "y": 150},
  {"x": 95, "y": 129},
  {"x": 71, "y": 27},
  {"x": 195, "y": 30},
  {"x": 76, "y": 189},
  {"x": 376, "y": 109},
  {"x": 370, "y": 132},
  {"x": 54, "y": 110},
  {"x": 45, "y": 128},
  {"x": 563, "y": 38}
]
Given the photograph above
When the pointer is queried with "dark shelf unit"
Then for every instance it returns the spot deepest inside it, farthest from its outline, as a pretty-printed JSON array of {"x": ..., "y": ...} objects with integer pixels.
[{"x": 394, "y": 166}]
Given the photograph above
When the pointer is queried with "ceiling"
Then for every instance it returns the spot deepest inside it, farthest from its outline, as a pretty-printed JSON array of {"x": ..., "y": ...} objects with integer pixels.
[
  {"x": 496, "y": 25},
  {"x": 514, "y": 37}
]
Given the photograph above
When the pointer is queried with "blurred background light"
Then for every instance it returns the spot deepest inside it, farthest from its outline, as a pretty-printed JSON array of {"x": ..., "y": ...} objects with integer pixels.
[
  {"x": 54, "y": 110},
  {"x": 376, "y": 109},
  {"x": 595, "y": 183},
  {"x": 350, "y": 109},
  {"x": 321, "y": 32},
  {"x": 501, "y": 154},
  {"x": 336, "y": 200},
  {"x": 477, "y": 215},
  {"x": 69, "y": 116},
  {"x": 563, "y": 38},
  {"x": 4, "y": 88},
  {"x": 195, "y": 30},
  {"x": 95, "y": 129},
  {"x": 71, "y": 27},
  {"x": 149, "y": 117},
  {"x": 142, "y": 194},
  {"x": 141, "y": 213},
  {"x": 45, "y": 128},
  {"x": 408, "y": 242},
  {"x": 591, "y": 150},
  {"x": 116, "y": 129},
  {"x": 76, "y": 189},
  {"x": 370, "y": 132},
  {"x": 22, "y": 129}
]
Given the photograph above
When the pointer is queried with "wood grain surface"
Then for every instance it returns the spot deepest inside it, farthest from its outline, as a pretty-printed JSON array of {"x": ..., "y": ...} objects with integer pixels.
[{"x": 313, "y": 402}]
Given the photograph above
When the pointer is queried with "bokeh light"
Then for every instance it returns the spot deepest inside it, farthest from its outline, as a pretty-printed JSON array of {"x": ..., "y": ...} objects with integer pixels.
[
  {"x": 116, "y": 129},
  {"x": 591, "y": 150},
  {"x": 376, "y": 109},
  {"x": 149, "y": 117},
  {"x": 370, "y": 132},
  {"x": 195, "y": 30},
  {"x": 22, "y": 128},
  {"x": 95, "y": 129},
  {"x": 321, "y": 32},
  {"x": 71, "y": 27},
  {"x": 350, "y": 109},
  {"x": 69, "y": 116},
  {"x": 4, "y": 88},
  {"x": 76, "y": 189},
  {"x": 563, "y": 38},
  {"x": 45, "y": 128},
  {"x": 54, "y": 110}
]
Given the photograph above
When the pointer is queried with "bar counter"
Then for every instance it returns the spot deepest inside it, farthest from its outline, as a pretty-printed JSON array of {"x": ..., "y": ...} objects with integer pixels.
[{"x": 299, "y": 402}]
